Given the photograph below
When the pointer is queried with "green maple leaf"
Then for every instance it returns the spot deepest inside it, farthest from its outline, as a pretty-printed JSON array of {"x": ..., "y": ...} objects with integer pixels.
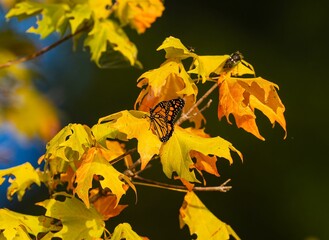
[
  {"x": 78, "y": 221},
  {"x": 202, "y": 222},
  {"x": 124, "y": 231},
  {"x": 18, "y": 226},
  {"x": 53, "y": 16},
  {"x": 175, "y": 154},
  {"x": 108, "y": 34},
  {"x": 24, "y": 176}
]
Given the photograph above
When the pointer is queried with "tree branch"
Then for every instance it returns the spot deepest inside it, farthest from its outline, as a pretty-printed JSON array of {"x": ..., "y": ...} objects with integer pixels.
[
  {"x": 152, "y": 183},
  {"x": 186, "y": 116},
  {"x": 43, "y": 50}
]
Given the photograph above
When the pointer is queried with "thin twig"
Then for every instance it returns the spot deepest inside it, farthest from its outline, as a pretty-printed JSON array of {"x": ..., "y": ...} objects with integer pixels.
[
  {"x": 186, "y": 116},
  {"x": 128, "y": 152},
  {"x": 152, "y": 183},
  {"x": 43, "y": 50}
]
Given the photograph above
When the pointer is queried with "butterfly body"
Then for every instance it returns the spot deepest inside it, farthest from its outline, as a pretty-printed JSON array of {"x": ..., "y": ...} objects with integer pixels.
[{"x": 162, "y": 117}]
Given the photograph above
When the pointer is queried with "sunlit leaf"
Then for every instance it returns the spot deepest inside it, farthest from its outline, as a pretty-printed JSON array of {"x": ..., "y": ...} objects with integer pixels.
[
  {"x": 134, "y": 124},
  {"x": 23, "y": 177},
  {"x": 53, "y": 16},
  {"x": 241, "y": 96},
  {"x": 108, "y": 34},
  {"x": 124, "y": 231},
  {"x": 139, "y": 14},
  {"x": 202, "y": 222},
  {"x": 175, "y": 49},
  {"x": 107, "y": 205},
  {"x": 17, "y": 225},
  {"x": 176, "y": 158},
  {"x": 78, "y": 221},
  {"x": 95, "y": 162}
]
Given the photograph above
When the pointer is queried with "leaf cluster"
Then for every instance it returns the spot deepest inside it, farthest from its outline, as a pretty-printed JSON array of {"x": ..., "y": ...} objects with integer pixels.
[{"x": 84, "y": 161}]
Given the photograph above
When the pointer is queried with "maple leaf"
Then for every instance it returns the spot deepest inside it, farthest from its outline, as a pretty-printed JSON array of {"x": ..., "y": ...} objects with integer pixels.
[
  {"x": 93, "y": 163},
  {"x": 174, "y": 48},
  {"x": 66, "y": 146},
  {"x": 124, "y": 231},
  {"x": 79, "y": 222},
  {"x": 107, "y": 205},
  {"x": 201, "y": 221},
  {"x": 53, "y": 16},
  {"x": 169, "y": 81},
  {"x": 108, "y": 34},
  {"x": 241, "y": 96},
  {"x": 165, "y": 83},
  {"x": 139, "y": 14},
  {"x": 175, "y": 154},
  {"x": 24, "y": 176},
  {"x": 204, "y": 66},
  {"x": 135, "y": 125},
  {"x": 79, "y": 14},
  {"x": 17, "y": 226}
]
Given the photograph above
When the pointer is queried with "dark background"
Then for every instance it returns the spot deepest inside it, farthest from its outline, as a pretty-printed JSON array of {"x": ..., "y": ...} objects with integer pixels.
[{"x": 280, "y": 191}]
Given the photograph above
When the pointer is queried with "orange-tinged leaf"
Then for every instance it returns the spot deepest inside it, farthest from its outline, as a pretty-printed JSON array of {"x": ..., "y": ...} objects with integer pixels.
[
  {"x": 124, "y": 231},
  {"x": 202, "y": 222},
  {"x": 165, "y": 83},
  {"x": 139, "y": 14},
  {"x": 95, "y": 163},
  {"x": 24, "y": 176},
  {"x": 240, "y": 97},
  {"x": 134, "y": 124},
  {"x": 78, "y": 221},
  {"x": 157, "y": 78},
  {"x": 175, "y": 154},
  {"x": 107, "y": 205}
]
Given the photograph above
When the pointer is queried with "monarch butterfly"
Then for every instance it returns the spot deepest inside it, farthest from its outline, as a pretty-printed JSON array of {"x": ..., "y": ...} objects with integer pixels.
[{"x": 162, "y": 117}]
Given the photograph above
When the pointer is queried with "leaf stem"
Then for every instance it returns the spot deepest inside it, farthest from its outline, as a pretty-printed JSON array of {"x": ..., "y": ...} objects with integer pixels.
[{"x": 43, "y": 50}]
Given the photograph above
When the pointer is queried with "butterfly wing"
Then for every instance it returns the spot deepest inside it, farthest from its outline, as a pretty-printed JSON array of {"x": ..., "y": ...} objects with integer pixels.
[{"x": 162, "y": 117}]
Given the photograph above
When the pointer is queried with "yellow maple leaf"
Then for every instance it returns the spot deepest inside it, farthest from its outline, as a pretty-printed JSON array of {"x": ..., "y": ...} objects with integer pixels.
[
  {"x": 241, "y": 96},
  {"x": 15, "y": 225},
  {"x": 78, "y": 221},
  {"x": 95, "y": 162},
  {"x": 202, "y": 222},
  {"x": 139, "y": 14},
  {"x": 174, "y": 48},
  {"x": 24, "y": 176},
  {"x": 134, "y": 124},
  {"x": 176, "y": 158}
]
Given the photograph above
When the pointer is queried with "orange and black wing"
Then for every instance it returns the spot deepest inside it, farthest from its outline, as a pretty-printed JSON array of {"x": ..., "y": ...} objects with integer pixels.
[{"x": 162, "y": 117}]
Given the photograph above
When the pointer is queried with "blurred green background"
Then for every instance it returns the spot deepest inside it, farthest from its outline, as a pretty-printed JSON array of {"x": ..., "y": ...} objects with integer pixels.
[{"x": 280, "y": 191}]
